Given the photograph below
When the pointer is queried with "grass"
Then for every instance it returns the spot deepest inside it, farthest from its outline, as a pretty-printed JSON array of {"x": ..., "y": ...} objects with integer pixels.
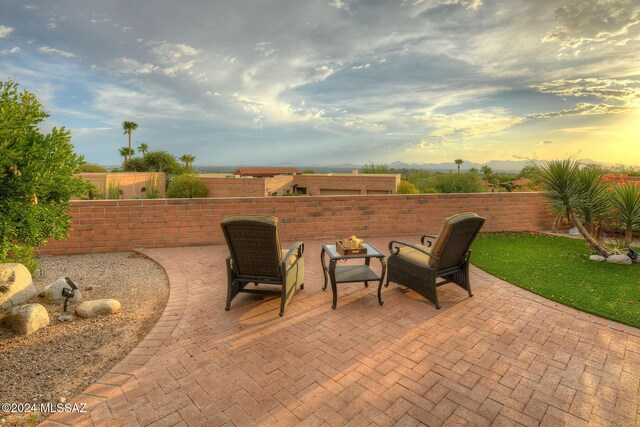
[{"x": 559, "y": 269}]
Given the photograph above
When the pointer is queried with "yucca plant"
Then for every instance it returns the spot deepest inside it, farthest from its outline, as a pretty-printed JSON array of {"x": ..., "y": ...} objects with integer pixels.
[
  {"x": 563, "y": 187},
  {"x": 595, "y": 202},
  {"x": 626, "y": 204}
]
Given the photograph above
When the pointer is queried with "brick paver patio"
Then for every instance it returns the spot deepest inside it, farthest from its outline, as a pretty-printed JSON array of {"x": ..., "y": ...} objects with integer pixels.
[{"x": 503, "y": 357}]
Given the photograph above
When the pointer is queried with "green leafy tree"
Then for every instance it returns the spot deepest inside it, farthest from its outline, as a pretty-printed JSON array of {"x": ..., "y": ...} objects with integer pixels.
[
  {"x": 36, "y": 180},
  {"x": 91, "y": 167},
  {"x": 188, "y": 160},
  {"x": 561, "y": 182},
  {"x": 154, "y": 161},
  {"x": 143, "y": 148},
  {"x": 373, "y": 168},
  {"x": 405, "y": 187},
  {"x": 128, "y": 128},
  {"x": 487, "y": 172},
  {"x": 187, "y": 187},
  {"x": 459, "y": 162}
]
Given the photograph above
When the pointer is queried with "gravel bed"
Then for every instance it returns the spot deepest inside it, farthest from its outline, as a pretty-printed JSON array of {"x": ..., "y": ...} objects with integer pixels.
[{"x": 59, "y": 361}]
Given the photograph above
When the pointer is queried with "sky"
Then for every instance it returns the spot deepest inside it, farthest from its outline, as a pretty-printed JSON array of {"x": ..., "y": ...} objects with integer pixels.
[{"x": 325, "y": 82}]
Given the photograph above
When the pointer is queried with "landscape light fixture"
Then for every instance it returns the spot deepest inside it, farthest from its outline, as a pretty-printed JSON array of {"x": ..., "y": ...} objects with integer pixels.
[{"x": 68, "y": 293}]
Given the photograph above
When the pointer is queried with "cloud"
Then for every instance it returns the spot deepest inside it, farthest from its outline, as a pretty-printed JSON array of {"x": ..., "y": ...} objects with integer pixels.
[
  {"x": 622, "y": 90},
  {"x": 361, "y": 67},
  {"x": 169, "y": 53},
  {"x": 471, "y": 123},
  {"x": 545, "y": 142},
  {"x": 131, "y": 66},
  {"x": 585, "y": 109},
  {"x": 56, "y": 52},
  {"x": 339, "y": 4},
  {"x": 589, "y": 22},
  {"x": 5, "y": 31},
  {"x": 469, "y": 4},
  {"x": 13, "y": 50}
]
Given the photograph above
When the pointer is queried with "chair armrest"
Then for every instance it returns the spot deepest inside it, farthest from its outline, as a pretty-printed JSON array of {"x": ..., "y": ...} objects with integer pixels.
[
  {"x": 431, "y": 237},
  {"x": 396, "y": 250},
  {"x": 297, "y": 249}
]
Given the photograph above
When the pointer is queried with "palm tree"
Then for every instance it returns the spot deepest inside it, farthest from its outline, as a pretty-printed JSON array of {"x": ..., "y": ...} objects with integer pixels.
[
  {"x": 187, "y": 159},
  {"x": 459, "y": 162},
  {"x": 560, "y": 179},
  {"x": 143, "y": 148},
  {"x": 126, "y": 152},
  {"x": 129, "y": 127}
]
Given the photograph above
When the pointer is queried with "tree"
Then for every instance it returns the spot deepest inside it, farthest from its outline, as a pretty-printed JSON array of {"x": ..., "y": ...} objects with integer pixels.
[
  {"x": 126, "y": 152},
  {"x": 459, "y": 162},
  {"x": 405, "y": 187},
  {"x": 187, "y": 159},
  {"x": 91, "y": 167},
  {"x": 154, "y": 161},
  {"x": 143, "y": 148},
  {"x": 486, "y": 171},
  {"x": 129, "y": 127},
  {"x": 36, "y": 180},
  {"x": 373, "y": 168},
  {"x": 560, "y": 180},
  {"x": 473, "y": 170}
]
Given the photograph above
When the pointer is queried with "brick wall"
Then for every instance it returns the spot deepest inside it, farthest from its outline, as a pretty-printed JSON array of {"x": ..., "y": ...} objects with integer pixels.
[
  {"x": 120, "y": 225},
  {"x": 234, "y": 187}
]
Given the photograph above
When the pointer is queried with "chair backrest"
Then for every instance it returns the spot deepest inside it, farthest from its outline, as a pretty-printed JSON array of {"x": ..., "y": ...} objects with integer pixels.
[
  {"x": 254, "y": 246},
  {"x": 455, "y": 238}
]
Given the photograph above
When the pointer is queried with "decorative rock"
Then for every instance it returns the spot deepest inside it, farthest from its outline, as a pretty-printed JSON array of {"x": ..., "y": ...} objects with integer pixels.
[
  {"x": 16, "y": 285},
  {"x": 574, "y": 231},
  {"x": 619, "y": 259},
  {"x": 99, "y": 307},
  {"x": 53, "y": 292},
  {"x": 65, "y": 318},
  {"x": 26, "y": 319},
  {"x": 597, "y": 258}
]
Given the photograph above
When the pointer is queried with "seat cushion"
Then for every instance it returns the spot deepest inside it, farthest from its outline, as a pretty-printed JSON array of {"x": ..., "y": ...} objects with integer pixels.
[
  {"x": 415, "y": 257},
  {"x": 445, "y": 232}
]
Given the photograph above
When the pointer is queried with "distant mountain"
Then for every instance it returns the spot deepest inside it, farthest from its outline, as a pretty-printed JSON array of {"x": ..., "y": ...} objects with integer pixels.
[{"x": 495, "y": 165}]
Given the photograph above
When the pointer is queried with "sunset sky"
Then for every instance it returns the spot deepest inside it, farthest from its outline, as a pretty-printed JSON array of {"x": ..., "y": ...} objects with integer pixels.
[{"x": 318, "y": 82}]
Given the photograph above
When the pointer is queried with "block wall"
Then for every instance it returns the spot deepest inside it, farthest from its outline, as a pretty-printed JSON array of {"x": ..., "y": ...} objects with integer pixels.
[{"x": 121, "y": 225}]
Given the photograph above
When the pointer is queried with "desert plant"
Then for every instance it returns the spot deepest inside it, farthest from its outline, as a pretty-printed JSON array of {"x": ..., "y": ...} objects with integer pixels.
[
  {"x": 114, "y": 189},
  {"x": 405, "y": 187},
  {"x": 36, "y": 180},
  {"x": 626, "y": 204},
  {"x": 595, "y": 203},
  {"x": 560, "y": 180},
  {"x": 152, "y": 188},
  {"x": 187, "y": 187}
]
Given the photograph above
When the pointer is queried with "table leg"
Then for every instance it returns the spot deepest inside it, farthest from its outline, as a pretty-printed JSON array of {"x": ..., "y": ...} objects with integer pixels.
[
  {"x": 382, "y": 273},
  {"x": 332, "y": 276},
  {"x": 367, "y": 261},
  {"x": 324, "y": 269}
]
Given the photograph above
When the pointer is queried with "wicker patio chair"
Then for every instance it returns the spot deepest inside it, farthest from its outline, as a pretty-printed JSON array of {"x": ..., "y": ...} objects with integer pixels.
[
  {"x": 256, "y": 257},
  {"x": 443, "y": 256}
]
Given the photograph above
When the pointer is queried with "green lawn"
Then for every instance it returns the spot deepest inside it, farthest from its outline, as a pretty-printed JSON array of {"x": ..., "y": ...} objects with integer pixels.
[{"x": 558, "y": 268}]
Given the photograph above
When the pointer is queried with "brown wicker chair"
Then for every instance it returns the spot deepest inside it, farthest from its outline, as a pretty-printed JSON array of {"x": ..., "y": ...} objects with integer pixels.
[
  {"x": 256, "y": 257},
  {"x": 443, "y": 256}
]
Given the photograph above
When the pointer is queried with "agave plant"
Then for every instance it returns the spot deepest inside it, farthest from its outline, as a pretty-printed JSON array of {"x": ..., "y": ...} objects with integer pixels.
[
  {"x": 626, "y": 204},
  {"x": 565, "y": 190}
]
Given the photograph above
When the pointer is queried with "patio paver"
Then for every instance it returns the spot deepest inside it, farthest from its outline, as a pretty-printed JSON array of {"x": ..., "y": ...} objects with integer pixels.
[{"x": 503, "y": 357}]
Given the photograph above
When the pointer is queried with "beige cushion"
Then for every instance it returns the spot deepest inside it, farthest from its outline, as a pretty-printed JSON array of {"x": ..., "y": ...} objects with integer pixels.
[
  {"x": 414, "y": 256},
  {"x": 291, "y": 259}
]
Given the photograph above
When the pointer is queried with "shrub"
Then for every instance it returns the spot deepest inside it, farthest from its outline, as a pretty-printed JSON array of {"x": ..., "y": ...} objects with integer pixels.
[
  {"x": 36, "y": 180},
  {"x": 154, "y": 161},
  {"x": 458, "y": 183},
  {"x": 187, "y": 187},
  {"x": 91, "y": 167},
  {"x": 373, "y": 168},
  {"x": 405, "y": 187},
  {"x": 626, "y": 203}
]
